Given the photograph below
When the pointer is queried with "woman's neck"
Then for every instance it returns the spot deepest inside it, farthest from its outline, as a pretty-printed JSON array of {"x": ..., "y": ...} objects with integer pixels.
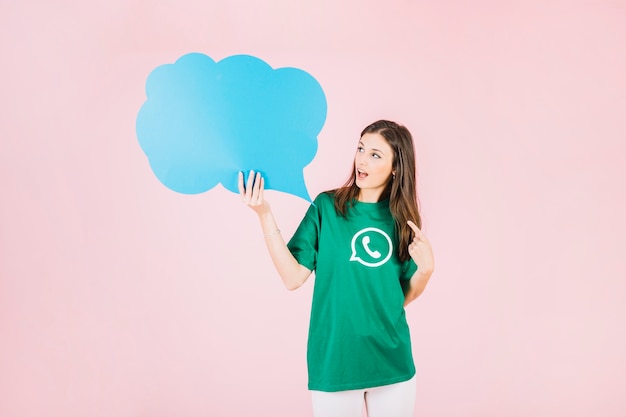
[{"x": 369, "y": 196}]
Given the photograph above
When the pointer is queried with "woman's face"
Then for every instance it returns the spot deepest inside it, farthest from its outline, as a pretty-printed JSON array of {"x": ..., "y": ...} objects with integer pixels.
[{"x": 373, "y": 165}]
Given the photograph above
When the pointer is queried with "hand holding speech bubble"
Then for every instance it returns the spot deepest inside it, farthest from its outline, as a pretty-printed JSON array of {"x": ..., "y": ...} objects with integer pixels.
[{"x": 204, "y": 121}]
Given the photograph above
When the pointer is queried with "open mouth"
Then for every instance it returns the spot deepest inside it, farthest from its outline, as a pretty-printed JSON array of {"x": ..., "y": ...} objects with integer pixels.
[{"x": 360, "y": 174}]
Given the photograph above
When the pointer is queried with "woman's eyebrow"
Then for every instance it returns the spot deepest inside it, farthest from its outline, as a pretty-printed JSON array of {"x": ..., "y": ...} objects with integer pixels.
[{"x": 374, "y": 149}]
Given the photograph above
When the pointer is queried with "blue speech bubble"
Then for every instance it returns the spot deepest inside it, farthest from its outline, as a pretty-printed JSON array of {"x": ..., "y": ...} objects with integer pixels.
[{"x": 204, "y": 121}]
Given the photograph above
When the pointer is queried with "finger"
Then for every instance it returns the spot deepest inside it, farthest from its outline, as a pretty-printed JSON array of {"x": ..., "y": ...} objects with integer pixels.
[
  {"x": 262, "y": 190},
  {"x": 242, "y": 191},
  {"x": 257, "y": 185},
  {"x": 418, "y": 236},
  {"x": 249, "y": 183},
  {"x": 414, "y": 227}
]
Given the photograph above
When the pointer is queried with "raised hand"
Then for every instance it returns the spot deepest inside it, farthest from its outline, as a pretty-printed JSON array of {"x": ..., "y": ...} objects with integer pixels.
[
  {"x": 291, "y": 272},
  {"x": 421, "y": 251},
  {"x": 252, "y": 192}
]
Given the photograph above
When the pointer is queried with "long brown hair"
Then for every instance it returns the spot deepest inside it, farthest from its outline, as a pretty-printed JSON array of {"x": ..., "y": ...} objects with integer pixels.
[{"x": 400, "y": 190}]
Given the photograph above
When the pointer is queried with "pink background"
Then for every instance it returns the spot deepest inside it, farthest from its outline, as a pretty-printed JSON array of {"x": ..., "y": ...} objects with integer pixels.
[{"x": 119, "y": 297}]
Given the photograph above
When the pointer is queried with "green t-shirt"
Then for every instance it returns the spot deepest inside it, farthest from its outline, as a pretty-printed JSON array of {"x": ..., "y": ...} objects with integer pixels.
[{"x": 358, "y": 334}]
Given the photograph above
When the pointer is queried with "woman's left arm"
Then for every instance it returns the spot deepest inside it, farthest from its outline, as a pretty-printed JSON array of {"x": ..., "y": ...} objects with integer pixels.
[{"x": 422, "y": 254}]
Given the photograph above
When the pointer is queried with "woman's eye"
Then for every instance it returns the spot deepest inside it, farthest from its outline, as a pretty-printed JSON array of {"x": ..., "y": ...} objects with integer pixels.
[
  {"x": 376, "y": 156},
  {"x": 360, "y": 149}
]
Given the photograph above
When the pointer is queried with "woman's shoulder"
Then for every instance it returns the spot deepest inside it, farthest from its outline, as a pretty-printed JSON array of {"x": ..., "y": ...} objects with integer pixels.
[
  {"x": 324, "y": 201},
  {"x": 325, "y": 197}
]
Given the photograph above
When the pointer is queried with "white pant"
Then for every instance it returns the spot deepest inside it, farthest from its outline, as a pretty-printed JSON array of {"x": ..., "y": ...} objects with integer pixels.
[{"x": 395, "y": 400}]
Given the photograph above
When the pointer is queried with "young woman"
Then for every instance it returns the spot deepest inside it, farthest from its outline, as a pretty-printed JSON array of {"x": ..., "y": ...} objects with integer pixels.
[{"x": 371, "y": 259}]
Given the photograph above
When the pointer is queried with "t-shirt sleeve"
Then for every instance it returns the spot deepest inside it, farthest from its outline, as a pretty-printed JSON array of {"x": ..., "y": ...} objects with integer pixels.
[
  {"x": 303, "y": 244},
  {"x": 408, "y": 269}
]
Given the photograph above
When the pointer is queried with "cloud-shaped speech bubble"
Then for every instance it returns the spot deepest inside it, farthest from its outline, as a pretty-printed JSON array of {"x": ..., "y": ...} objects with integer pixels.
[{"x": 204, "y": 121}]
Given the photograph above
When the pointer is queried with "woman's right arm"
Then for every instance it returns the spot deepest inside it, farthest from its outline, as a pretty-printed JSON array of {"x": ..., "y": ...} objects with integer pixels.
[{"x": 291, "y": 272}]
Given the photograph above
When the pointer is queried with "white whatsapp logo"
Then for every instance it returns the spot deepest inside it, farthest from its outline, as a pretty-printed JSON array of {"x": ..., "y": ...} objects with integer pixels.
[{"x": 372, "y": 253}]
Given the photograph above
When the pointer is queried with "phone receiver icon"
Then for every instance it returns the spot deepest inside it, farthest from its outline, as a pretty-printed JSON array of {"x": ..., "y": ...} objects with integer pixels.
[{"x": 373, "y": 253}]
